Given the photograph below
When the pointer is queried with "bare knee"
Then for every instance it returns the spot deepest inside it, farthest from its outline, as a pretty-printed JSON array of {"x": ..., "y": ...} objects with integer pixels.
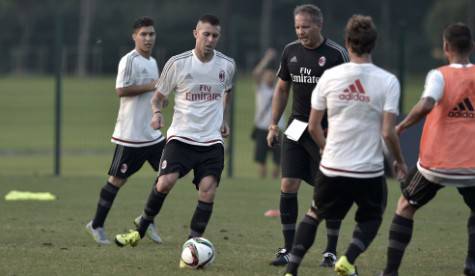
[
  {"x": 117, "y": 181},
  {"x": 207, "y": 189},
  {"x": 405, "y": 209},
  {"x": 290, "y": 185},
  {"x": 166, "y": 182}
]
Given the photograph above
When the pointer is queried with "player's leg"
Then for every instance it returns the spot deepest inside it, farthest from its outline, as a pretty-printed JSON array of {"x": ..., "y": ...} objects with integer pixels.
[
  {"x": 370, "y": 195},
  {"x": 416, "y": 192},
  {"x": 260, "y": 154},
  {"x": 153, "y": 157},
  {"x": 126, "y": 161},
  {"x": 333, "y": 226},
  {"x": 468, "y": 194},
  {"x": 294, "y": 164},
  {"x": 207, "y": 175},
  {"x": 327, "y": 204}
]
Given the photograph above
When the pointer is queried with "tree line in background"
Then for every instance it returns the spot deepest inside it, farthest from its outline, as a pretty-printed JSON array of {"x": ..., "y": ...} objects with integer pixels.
[{"x": 97, "y": 32}]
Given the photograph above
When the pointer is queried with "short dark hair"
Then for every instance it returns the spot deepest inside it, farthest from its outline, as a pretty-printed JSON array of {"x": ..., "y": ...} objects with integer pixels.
[
  {"x": 312, "y": 10},
  {"x": 361, "y": 34},
  {"x": 211, "y": 19},
  {"x": 144, "y": 21},
  {"x": 459, "y": 37}
]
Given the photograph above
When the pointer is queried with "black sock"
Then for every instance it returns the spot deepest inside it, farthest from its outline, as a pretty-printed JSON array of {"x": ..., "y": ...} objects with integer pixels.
[
  {"x": 471, "y": 239},
  {"x": 400, "y": 234},
  {"x": 363, "y": 235},
  {"x": 152, "y": 208},
  {"x": 106, "y": 198},
  {"x": 200, "y": 219},
  {"x": 289, "y": 209},
  {"x": 303, "y": 241},
  {"x": 333, "y": 231}
]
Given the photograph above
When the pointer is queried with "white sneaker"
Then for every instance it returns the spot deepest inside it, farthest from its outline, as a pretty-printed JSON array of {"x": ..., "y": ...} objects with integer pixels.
[
  {"x": 152, "y": 232},
  {"x": 98, "y": 234}
]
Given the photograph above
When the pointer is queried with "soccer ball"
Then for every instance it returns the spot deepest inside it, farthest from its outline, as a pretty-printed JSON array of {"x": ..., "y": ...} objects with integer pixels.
[{"x": 197, "y": 253}]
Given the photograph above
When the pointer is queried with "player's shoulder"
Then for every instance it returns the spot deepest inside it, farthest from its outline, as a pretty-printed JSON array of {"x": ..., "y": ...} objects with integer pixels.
[
  {"x": 336, "y": 48},
  {"x": 181, "y": 57},
  {"x": 225, "y": 58},
  {"x": 383, "y": 73},
  {"x": 130, "y": 56},
  {"x": 292, "y": 46}
]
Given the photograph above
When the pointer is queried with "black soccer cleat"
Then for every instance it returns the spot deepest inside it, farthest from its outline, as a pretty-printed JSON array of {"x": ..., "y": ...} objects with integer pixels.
[
  {"x": 328, "y": 260},
  {"x": 281, "y": 257}
]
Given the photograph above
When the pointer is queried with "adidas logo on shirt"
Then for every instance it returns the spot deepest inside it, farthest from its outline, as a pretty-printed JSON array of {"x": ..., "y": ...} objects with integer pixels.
[
  {"x": 354, "y": 92},
  {"x": 188, "y": 77},
  {"x": 464, "y": 109},
  {"x": 293, "y": 59},
  {"x": 144, "y": 71}
]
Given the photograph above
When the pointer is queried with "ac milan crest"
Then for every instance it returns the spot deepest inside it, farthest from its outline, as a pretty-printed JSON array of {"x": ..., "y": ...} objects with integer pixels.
[
  {"x": 123, "y": 168},
  {"x": 322, "y": 60},
  {"x": 221, "y": 75},
  {"x": 164, "y": 164}
]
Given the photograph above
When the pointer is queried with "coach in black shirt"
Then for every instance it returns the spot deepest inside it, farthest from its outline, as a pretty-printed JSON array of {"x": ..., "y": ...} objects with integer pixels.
[{"x": 303, "y": 62}]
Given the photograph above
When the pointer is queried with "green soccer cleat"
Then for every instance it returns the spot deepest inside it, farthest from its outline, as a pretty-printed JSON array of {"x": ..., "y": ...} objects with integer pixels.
[
  {"x": 344, "y": 268},
  {"x": 182, "y": 264},
  {"x": 132, "y": 238},
  {"x": 152, "y": 232}
]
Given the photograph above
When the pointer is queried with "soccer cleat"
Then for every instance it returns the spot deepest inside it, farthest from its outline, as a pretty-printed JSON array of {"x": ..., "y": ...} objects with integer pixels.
[
  {"x": 151, "y": 231},
  {"x": 132, "y": 238},
  {"x": 390, "y": 274},
  {"x": 182, "y": 264},
  {"x": 328, "y": 260},
  {"x": 289, "y": 274},
  {"x": 281, "y": 257},
  {"x": 98, "y": 234},
  {"x": 344, "y": 268},
  {"x": 469, "y": 269}
]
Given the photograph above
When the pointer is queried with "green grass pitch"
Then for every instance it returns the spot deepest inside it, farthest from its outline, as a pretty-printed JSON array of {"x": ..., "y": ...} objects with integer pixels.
[{"x": 48, "y": 238}]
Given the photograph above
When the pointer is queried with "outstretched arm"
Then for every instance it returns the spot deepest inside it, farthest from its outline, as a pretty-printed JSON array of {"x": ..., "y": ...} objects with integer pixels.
[
  {"x": 417, "y": 113},
  {"x": 259, "y": 69}
]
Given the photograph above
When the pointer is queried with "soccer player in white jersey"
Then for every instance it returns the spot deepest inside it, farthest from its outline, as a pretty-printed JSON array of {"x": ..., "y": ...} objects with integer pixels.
[
  {"x": 361, "y": 100},
  {"x": 136, "y": 141},
  {"x": 201, "y": 79}
]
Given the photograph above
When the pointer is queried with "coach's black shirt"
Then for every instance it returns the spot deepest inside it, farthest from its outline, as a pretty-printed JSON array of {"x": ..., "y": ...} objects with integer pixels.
[{"x": 303, "y": 68}]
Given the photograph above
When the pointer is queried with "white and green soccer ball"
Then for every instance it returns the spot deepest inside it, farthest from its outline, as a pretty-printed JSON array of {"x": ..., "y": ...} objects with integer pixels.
[{"x": 198, "y": 253}]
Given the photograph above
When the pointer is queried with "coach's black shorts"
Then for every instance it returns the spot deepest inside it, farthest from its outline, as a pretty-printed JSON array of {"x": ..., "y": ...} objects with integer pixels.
[
  {"x": 182, "y": 157},
  {"x": 128, "y": 160},
  {"x": 418, "y": 190},
  {"x": 300, "y": 159},
  {"x": 260, "y": 154},
  {"x": 334, "y": 196}
]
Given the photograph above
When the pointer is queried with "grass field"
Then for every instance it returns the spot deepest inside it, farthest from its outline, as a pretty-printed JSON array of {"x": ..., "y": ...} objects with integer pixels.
[{"x": 48, "y": 238}]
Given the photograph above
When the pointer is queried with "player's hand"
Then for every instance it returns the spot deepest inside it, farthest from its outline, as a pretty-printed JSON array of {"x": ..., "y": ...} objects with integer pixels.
[
  {"x": 225, "y": 131},
  {"x": 270, "y": 53},
  {"x": 153, "y": 85},
  {"x": 157, "y": 121},
  {"x": 401, "y": 170},
  {"x": 273, "y": 136},
  {"x": 399, "y": 129}
]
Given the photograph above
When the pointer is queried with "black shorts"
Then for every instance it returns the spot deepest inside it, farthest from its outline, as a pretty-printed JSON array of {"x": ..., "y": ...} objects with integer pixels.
[
  {"x": 300, "y": 159},
  {"x": 182, "y": 157},
  {"x": 260, "y": 153},
  {"x": 334, "y": 196},
  {"x": 418, "y": 190},
  {"x": 128, "y": 160}
]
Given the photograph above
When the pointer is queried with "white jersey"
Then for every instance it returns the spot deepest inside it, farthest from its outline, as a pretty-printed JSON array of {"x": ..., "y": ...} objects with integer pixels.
[
  {"x": 199, "y": 92},
  {"x": 263, "y": 115},
  {"x": 133, "y": 128},
  {"x": 355, "y": 96}
]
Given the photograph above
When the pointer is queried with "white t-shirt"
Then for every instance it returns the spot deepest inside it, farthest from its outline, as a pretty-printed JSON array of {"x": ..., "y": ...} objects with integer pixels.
[
  {"x": 434, "y": 88},
  {"x": 199, "y": 92},
  {"x": 355, "y": 96},
  {"x": 133, "y": 128},
  {"x": 263, "y": 115}
]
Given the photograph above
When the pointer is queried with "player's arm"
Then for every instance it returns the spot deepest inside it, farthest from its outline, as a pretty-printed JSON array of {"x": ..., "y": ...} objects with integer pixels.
[
  {"x": 225, "y": 130},
  {"x": 417, "y": 113},
  {"x": 259, "y": 69},
  {"x": 159, "y": 101},
  {"x": 315, "y": 127},
  {"x": 135, "y": 90},
  {"x": 392, "y": 142},
  {"x": 279, "y": 101}
]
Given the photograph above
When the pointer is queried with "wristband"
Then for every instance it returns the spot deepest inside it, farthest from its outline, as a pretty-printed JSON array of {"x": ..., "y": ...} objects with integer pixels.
[
  {"x": 273, "y": 127},
  {"x": 158, "y": 111}
]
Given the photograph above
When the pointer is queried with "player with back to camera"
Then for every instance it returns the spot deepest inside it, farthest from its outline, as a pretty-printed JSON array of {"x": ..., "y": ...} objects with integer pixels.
[{"x": 361, "y": 101}]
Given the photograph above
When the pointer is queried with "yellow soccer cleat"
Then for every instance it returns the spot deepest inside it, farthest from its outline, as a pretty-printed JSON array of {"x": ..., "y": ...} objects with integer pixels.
[
  {"x": 132, "y": 238},
  {"x": 344, "y": 268}
]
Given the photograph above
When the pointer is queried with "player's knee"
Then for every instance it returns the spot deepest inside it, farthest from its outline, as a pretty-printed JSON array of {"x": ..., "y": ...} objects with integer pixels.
[
  {"x": 404, "y": 208},
  {"x": 117, "y": 181},
  {"x": 165, "y": 183},
  {"x": 289, "y": 185}
]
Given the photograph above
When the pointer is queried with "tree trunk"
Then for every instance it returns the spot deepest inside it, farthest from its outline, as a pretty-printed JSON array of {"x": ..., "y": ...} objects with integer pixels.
[
  {"x": 266, "y": 21},
  {"x": 86, "y": 15}
]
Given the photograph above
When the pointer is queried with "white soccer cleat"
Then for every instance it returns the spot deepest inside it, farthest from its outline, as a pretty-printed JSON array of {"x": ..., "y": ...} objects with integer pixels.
[
  {"x": 152, "y": 232},
  {"x": 98, "y": 234}
]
